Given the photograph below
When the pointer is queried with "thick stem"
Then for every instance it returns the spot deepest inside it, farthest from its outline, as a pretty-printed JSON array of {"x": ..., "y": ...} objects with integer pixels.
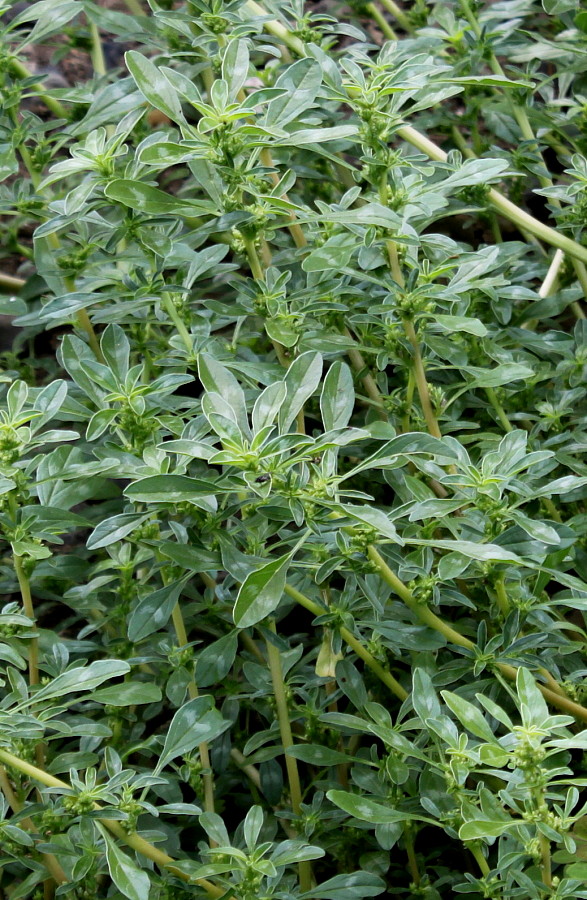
[
  {"x": 502, "y": 597},
  {"x": 291, "y": 764}
]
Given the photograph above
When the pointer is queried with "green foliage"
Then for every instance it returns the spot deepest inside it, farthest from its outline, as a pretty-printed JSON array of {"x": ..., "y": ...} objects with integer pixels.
[{"x": 292, "y": 479}]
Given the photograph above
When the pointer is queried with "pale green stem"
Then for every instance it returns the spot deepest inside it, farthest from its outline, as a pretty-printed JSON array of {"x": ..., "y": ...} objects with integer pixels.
[
  {"x": 501, "y": 414},
  {"x": 398, "y": 14},
  {"x": 55, "y": 106},
  {"x": 421, "y": 382},
  {"x": 527, "y": 131},
  {"x": 427, "y": 617},
  {"x": 348, "y": 637},
  {"x": 381, "y": 21},
  {"x": 502, "y": 597},
  {"x": 545, "y": 859},
  {"x": 135, "y": 8},
  {"x": 475, "y": 849},
  {"x": 412, "y": 136},
  {"x": 9, "y": 284},
  {"x": 291, "y": 764},
  {"x": 98, "y": 61},
  {"x": 512, "y": 212},
  {"x": 131, "y": 839},
  {"x": 203, "y": 749},
  {"x": 27, "y": 603},
  {"x": 175, "y": 317},
  {"x": 549, "y": 282}
]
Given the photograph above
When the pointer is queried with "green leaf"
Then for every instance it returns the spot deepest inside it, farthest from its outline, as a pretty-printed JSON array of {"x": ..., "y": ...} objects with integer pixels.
[
  {"x": 215, "y": 661},
  {"x": 301, "y": 380},
  {"x": 423, "y": 696},
  {"x": 261, "y": 592},
  {"x": 483, "y": 828},
  {"x": 153, "y": 85},
  {"x": 115, "y": 529},
  {"x": 197, "y": 721},
  {"x": 461, "y": 323},
  {"x": 558, "y": 7},
  {"x": 368, "y": 810},
  {"x": 81, "y": 678},
  {"x": 131, "y": 693},
  {"x": 216, "y": 378},
  {"x": 131, "y": 881},
  {"x": 533, "y": 706},
  {"x": 502, "y": 374},
  {"x": 375, "y": 518},
  {"x": 350, "y": 886},
  {"x": 301, "y": 81},
  {"x": 235, "y": 66},
  {"x": 538, "y": 530},
  {"x": 150, "y": 200},
  {"x": 317, "y": 755},
  {"x": 469, "y": 716},
  {"x": 154, "y": 611},
  {"x": 337, "y": 399},
  {"x": 173, "y": 489}
]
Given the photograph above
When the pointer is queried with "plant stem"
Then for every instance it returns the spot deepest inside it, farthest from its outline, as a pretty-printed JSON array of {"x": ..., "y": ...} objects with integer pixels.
[
  {"x": 291, "y": 764},
  {"x": 421, "y": 382},
  {"x": 411, "y": 853},
  {"x": 412, "y": 136},
  {"x": 131, "y": 839},
  {"x": 545, "y": 860},
  {"x": 551, "y": 276},
  {"x": 502, "y": 597},
  {"x": 501, "y": 414},
  {"x": 294, "y": 229},
  {"x": 475, "y": 849},
  {"x": 51, "y": 863},
  {"x": 135, "y": 7},
  {"x": 349, "y": 638},
  {"x": 98, "y": 61},
  {"x": 398, "y": 14},
  {"x": 203, "y": 749},
  {"x": 512, "y": 212},
  {"x": 27, "y": 603},
  {"x": 254, "y": 261},
  {"x": 381, "y": 21},
  {"x": 9, "y": 284},
  {"x": 19, "y": 69},
  {"x": 175, "y": 317},
  {"x": 427, "y": 617}
]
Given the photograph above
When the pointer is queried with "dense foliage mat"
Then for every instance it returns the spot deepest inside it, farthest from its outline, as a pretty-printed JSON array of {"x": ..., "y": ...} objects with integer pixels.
[{"x": 292, "y": 475}]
